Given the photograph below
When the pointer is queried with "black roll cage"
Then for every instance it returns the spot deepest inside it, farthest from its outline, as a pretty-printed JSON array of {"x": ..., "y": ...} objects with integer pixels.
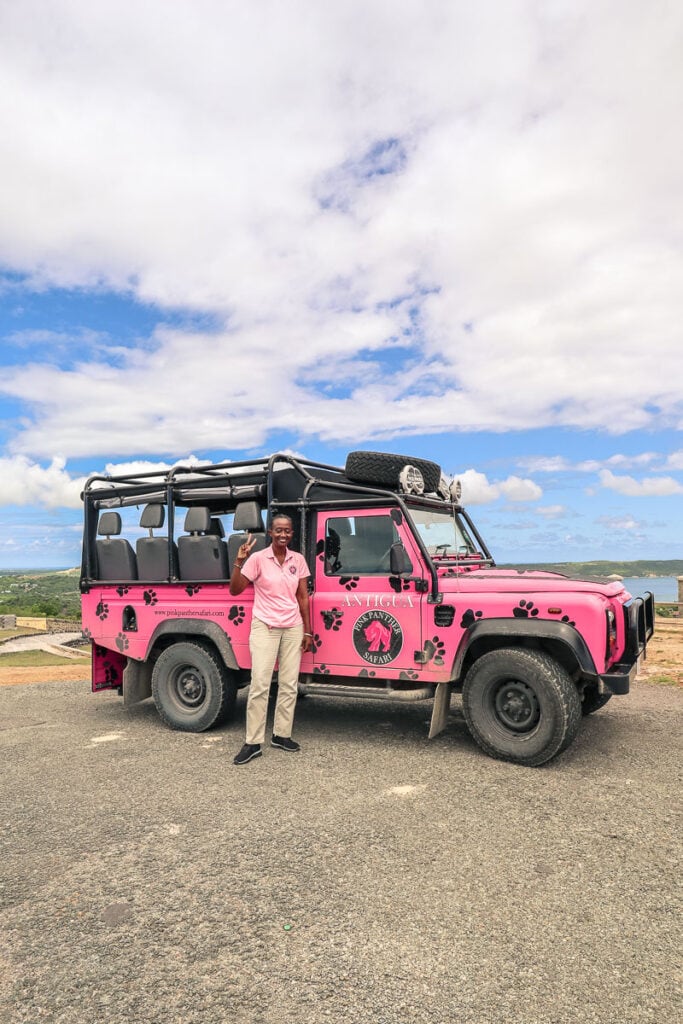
[{"x": 228, "y": 483}]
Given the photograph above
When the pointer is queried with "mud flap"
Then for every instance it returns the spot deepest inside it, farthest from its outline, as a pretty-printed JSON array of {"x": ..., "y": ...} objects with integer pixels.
[
  {"x": 137, "y": 682},
  {"x": 442, "y": 703}
]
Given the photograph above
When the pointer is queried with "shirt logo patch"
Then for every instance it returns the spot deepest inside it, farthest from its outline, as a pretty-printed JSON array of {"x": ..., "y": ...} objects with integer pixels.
[{"x": 292, "y": 569}]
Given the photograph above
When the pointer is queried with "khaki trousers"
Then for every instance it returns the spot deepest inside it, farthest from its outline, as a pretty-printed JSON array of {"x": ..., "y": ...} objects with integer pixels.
[{"x": 268, "y": 646}]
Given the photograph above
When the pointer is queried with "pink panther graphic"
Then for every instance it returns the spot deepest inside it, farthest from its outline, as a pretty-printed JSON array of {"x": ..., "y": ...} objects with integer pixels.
[{"x": 378, "y": 636}]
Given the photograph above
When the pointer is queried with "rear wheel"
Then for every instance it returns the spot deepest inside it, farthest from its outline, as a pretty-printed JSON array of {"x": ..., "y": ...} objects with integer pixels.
[
  {"x": 521, "y": 706},
  {"x": 384, "y": 468},
  {"x": 192, "y": 688}
]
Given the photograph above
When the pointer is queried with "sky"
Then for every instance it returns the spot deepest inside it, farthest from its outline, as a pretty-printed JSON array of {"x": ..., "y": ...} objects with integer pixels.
[{"x": 439, "y": 228}]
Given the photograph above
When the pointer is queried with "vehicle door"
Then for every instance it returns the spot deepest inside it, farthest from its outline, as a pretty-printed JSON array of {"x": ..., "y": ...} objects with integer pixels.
[{"x": 366, "y": 621}]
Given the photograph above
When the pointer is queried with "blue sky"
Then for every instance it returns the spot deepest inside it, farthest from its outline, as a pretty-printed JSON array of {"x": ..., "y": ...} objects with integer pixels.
[{"x": 439, "y": 228}]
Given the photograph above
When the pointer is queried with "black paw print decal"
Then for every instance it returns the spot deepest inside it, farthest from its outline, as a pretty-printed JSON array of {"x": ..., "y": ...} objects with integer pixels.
[
  {"x": 450, "y": 572},
  {"x": 470, "y": 617},
  {"x": 524, "y": 610},
  {"x": 121, "y": 590},
  {"x": 192, "y": 589},
  {"x": 321, "y": 670},
  {"x": 316, "y": 642},
  {"x": 350, "y": 582},
  {"x": 435, "y": 649},
  {"x": 102, "y": 611},
  {"x": 565, "y": 618},
  {"x": 397, "y": 584},
  {"x": 236, "y": 614},
  {"x": 366, "y": 672},
  {"x": 150, "y": 597},
  {"x": 122, "y": 642},
  {"x": 333, "y": 619},
  {"x": 86, "y": 634},
  {"x": 101, "y": 652},
  {"x": 111, "y": 674},
  {"x": 408, "y": 673}
]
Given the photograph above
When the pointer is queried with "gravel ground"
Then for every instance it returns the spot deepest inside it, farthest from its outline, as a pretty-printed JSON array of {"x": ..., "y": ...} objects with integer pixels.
[{"x": 375, "y": 877}]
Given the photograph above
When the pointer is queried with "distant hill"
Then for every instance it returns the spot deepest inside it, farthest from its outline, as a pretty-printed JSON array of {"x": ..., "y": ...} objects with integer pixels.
[
  {"x": 642, "y": 568},
  {"x": 34, "y": 592}
]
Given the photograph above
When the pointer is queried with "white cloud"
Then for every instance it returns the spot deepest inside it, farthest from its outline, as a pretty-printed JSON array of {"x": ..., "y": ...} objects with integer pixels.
[
  {"x": 325, "y": 178},
  {"x": 560, "y": 464},
  {"x": 551, "y": 511},
  {"x": 623, "y": 523},
  {"x": 675, "y": 460},
  {"x": 478, "y": 490},
  {"x": 25, "y": 482},
  {"x": 648, "y": 487}
]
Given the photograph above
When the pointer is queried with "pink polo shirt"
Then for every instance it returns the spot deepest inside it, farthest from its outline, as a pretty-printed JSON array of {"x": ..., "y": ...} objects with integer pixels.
[{"x": 275, "y": 586}]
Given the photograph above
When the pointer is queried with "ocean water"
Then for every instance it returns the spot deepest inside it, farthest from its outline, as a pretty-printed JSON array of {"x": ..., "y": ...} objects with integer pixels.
[{"x": 665, "y": 588}]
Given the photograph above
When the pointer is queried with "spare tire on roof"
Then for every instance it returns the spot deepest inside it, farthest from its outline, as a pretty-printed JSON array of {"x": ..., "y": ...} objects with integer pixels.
[{"x": 384, "y": 468}]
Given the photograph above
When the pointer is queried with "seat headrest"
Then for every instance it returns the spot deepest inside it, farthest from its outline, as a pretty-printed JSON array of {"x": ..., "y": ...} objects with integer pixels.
[
  {"x": 248, "y": 517},
  {"x": 198, "y": 520},
  {"x": 153, "y": 516},
  {"x": 217, "y": 529},
  {"x": 109, "y": 524}
]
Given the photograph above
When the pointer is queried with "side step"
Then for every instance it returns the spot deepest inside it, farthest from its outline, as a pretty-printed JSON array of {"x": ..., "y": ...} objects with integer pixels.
[{"x": 372, "y": 692}]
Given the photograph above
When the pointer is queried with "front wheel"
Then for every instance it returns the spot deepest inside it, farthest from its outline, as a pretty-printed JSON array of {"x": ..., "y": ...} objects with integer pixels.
[
  {"x": 521, "y": 706},
  {"x": 192, "y": 688}
]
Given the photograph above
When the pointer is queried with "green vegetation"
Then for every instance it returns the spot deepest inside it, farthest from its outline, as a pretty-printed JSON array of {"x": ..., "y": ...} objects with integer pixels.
[
  {"x": 54, "y": 594},
  {"x": 642, "y": 568},
  {"x": 37, "y": 659}
]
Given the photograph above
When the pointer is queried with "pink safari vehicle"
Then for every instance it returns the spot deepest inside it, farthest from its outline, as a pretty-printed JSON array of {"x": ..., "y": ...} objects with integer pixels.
[{"x": 406, "y": 601}]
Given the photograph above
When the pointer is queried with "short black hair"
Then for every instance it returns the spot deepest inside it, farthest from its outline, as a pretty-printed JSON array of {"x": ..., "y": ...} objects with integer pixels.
[{"x": 282, "y": 515}]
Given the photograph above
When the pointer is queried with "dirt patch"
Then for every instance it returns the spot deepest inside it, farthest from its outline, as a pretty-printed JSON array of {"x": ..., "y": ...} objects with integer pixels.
[
  {"x": 664, "y": 662},
  {"x": 20, "y": 675}
]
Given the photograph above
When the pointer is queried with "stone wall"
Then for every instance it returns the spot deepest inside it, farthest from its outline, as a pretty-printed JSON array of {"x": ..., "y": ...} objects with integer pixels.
[{"x": 44, "y": 624}]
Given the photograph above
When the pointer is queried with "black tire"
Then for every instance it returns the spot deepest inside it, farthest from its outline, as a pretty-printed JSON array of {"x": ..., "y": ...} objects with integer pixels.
[
  {"x": 592, "y": 700},
  {"x": 192, "y": 688},
  {"x": 383, "y": 468},
  {"x": 521, "y": 706}
]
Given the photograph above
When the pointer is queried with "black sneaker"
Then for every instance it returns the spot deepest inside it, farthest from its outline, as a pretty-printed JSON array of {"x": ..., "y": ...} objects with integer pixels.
[
  {"x": 248, "y": 752},
  {"x": 285, "y": 743}
]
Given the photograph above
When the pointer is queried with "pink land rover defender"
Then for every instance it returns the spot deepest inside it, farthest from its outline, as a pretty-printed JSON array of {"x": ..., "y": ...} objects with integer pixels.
[{"x": 406, "y": 602}]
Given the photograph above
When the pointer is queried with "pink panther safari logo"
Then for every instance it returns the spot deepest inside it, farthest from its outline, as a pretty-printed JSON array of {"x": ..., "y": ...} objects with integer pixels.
[{"x": 377, "y": 637}]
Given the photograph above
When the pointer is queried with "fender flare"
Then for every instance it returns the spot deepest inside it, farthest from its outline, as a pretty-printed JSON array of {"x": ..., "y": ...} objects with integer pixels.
[
  {"x": 198, "y": 628},
  {"x": 510, "y": 630}
]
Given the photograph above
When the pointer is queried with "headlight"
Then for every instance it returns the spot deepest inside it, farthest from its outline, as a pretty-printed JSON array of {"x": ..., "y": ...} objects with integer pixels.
[{"x": 611, "y": 634}]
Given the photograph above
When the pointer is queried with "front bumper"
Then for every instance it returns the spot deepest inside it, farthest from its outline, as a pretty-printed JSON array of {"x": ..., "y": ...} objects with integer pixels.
[
  {"x": 619, "y": 678},
  {"x": 639, "y": 619}
]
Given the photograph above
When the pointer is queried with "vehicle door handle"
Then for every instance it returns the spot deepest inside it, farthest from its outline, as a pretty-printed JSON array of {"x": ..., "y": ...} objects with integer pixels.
[{"x": 331, "y": 615}]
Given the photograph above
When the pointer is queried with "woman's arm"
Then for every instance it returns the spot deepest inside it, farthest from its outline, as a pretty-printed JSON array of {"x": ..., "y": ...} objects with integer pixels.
[
  {"x": 238, "y": 582},
  {"x": 305, "y": 609}
]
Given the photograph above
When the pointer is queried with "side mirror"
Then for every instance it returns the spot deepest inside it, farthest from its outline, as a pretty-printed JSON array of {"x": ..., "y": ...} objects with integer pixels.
[{"x": 399, "y": 562}]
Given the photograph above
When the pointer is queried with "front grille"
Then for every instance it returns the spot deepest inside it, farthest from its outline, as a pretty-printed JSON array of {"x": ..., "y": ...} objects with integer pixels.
[{"x": 639, "y": 614}]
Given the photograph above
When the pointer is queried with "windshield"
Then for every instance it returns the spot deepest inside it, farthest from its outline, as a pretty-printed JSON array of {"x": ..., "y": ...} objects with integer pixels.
[{"x": 443, "y": 533}]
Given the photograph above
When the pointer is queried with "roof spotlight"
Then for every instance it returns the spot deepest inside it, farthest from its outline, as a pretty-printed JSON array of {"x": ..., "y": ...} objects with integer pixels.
[
  {"x": 443, "y": 490},
  {"x": 411, "y": 480},
  {"x": 456, "y": 491}
]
